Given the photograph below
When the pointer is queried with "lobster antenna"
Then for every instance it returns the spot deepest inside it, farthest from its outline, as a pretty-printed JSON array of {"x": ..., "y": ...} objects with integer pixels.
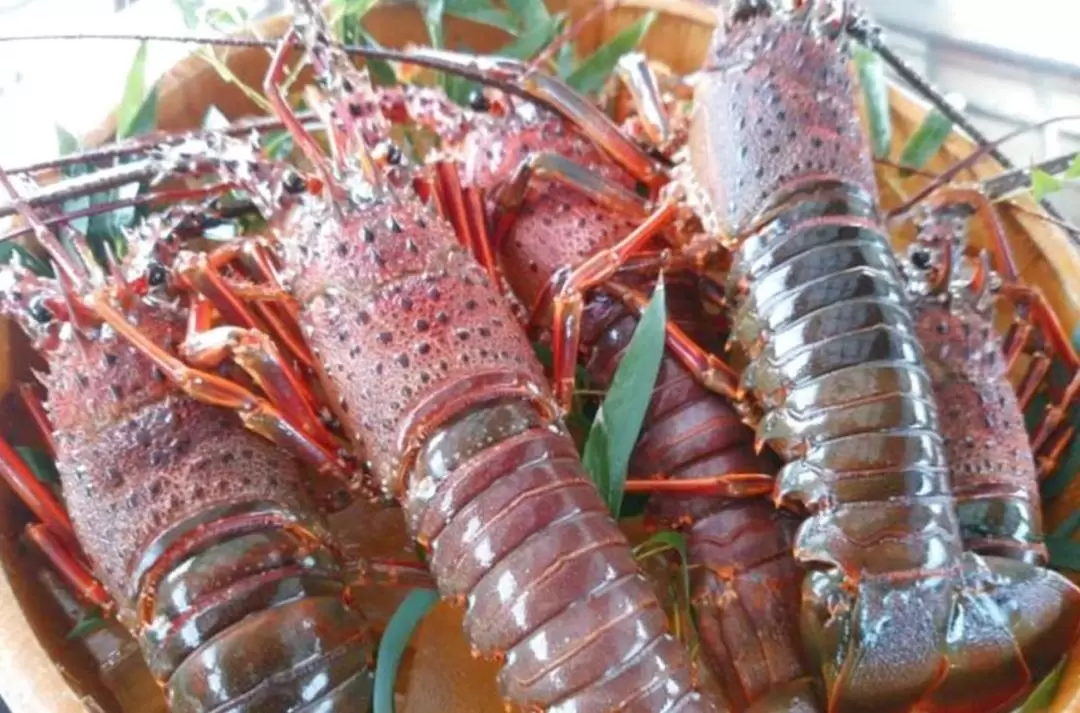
[
  {"x": 969, "y": 161},
  {"x": 77, "y": 273},
  {"x": 871, "y": 34}
]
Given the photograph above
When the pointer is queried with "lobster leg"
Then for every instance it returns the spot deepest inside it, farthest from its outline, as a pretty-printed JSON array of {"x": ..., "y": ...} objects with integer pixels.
[
  {"x": 254, "y": 351},
  {"x": 569, "y": 302},
  {"x": 637, "y": 76},
  {"x": 56, "y": 537},
  {"x": 37, "y": 412},
  {"x": 553, "y": 166},
  {"x": 728, "y": 485},
  {"x": 74, "y": 572},
  {"x": 37, "y": 497},
  {"x": 201, "y": 272},
  {"x": 464, "y": 210},
  {"x": 256, "y": 413},
  {"x": 709, "y": 370}
]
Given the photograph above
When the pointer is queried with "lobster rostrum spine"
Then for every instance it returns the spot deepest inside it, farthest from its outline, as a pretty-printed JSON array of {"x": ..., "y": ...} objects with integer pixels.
[
  {"x": 203, "y": 533},
  {"x": 780, "y": 167},
  {"x": 433, "y": 375}
]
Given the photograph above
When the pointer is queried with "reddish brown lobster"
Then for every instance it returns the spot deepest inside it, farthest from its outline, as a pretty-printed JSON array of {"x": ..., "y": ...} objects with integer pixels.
[
  {"x": 428, "y": 370},
  {"x": 204, "y": 534}
]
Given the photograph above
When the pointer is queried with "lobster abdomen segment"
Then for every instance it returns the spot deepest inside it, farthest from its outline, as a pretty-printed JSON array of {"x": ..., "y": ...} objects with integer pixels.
[{"x": 437, "y": 379}]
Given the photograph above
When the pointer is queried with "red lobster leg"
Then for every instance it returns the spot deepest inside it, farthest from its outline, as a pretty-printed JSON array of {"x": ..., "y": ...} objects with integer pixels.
[
  {"x": 207, "y": 347},
  {"x": 202, "y": 271},
  {"x": 569, "y": 303},
  {"x": 463, "y": 208},
  {"x": 56, "y": 537},
  {"x": 256, "y": 413}
]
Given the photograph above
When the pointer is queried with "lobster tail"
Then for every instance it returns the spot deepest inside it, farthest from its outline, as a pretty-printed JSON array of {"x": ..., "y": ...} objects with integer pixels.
[
  {"x": 896, "y": 615},
  {"x": 969, "y": 639},
  {"x": 256, "y": 620}
]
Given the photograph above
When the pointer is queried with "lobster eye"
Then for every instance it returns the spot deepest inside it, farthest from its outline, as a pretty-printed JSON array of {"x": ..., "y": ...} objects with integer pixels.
[
  {"x": 920, "y": 258},
  {"x": 477, "y": 101},
  {"x": 293, "y": 183},
  {"x": 393, "y": 154},
  {"x": 156, "y": 275},
  {"x": 39, "y": 311}
]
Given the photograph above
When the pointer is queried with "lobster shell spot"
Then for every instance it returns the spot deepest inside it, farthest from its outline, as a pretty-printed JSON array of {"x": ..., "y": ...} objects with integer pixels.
[
  {"x": 778, "y": 106},
  {"x": 120, "y": 501}
]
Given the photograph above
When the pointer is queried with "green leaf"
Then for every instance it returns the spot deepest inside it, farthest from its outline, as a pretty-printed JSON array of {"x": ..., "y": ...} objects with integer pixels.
[
  {"x": 134, "y": 93},
  {"x": 145, "y": 119},
  {"x": 534, "y": 39},
  {"x": 566, "y": 59},
  {"x": 433, "y": 19},
  {"x": 9, "y": 249},
  {"x": 66, "y": 141},
  {"x": 618, "y": 422},
  {"x": 481, "y": 12},
  {"x": 530, "y": 13},
  {"x": 1043, "y": 184},
  {"x": 1040, "y": 699},
  {"x": 1073, "y": 171},
  {"x": 190, "y": 10},
  {"x": 1064, "y": 553},
  {"x": 382, "y": 73},
  {"x": 88, "y": 624},
  {"x": 394, "y": 641},
  {"x": 40, "y": 464},
  {"x": 593, "y": 72},
  {"x": 662, "y": 542},
  {"x": 875, "y": 90},
  {"x": 926, "y": 141},
  {"x": 278, "y": 145},
  {"x": 67, "y": 144}
]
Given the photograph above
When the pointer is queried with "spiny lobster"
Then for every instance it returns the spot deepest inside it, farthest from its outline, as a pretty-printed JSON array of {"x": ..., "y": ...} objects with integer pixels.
[
  {"x": 204, "y": 535},
  {"x": 428, "y": 371},
  {"x": 820, "y": 308}
]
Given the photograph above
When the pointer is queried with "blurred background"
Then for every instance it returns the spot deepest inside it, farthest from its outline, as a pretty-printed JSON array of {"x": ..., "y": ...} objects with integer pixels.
[{"x": 1011, "y": 63}]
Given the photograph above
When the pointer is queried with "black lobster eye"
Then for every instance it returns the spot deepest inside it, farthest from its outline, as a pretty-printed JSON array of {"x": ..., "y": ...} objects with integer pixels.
[
  {"x": 920, "y": 258},
  {"x": 39, "y": 311},
  {"x": 477, "y": 101},
  {"x": 156, "y": 274},
  {"x": 393, "y": 154},
  {"x": 293, "y": 183}
]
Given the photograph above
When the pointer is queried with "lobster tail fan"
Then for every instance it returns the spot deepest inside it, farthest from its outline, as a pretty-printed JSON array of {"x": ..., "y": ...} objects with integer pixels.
[{"x": 975, "y": 639}]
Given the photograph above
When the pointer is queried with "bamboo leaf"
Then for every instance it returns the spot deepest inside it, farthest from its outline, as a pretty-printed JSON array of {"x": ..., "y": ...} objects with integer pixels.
[
  {"x": 395, "y": 640},
  {"x": 190, "y": 11},
  {"x": 1040, "y": 699},
  {"x": 534, "y": 39},
  {"x": 1043, "y": 184},
  {"x": 88, "y": 624},
  {"x": 481, "y": 12},
  {"x": 1064, "y": 553},
  {"x": 134, "y": 93},
  {"x": 593, "y": 71},
  {"x": 40, "y": 464},
  {"x": 1073, "y": 171},
  {"x": 926, "y": 141},
  {"x": 433, "y": 19},
  {"x": 67, "y": 143},
  {"x": 875, "y": 90},
  {"x": 278, "y": 145},
  {"x": 618, "y": 422},
  {"x": 530, "y": 13},
  {"x": 10, "y": 250}
]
